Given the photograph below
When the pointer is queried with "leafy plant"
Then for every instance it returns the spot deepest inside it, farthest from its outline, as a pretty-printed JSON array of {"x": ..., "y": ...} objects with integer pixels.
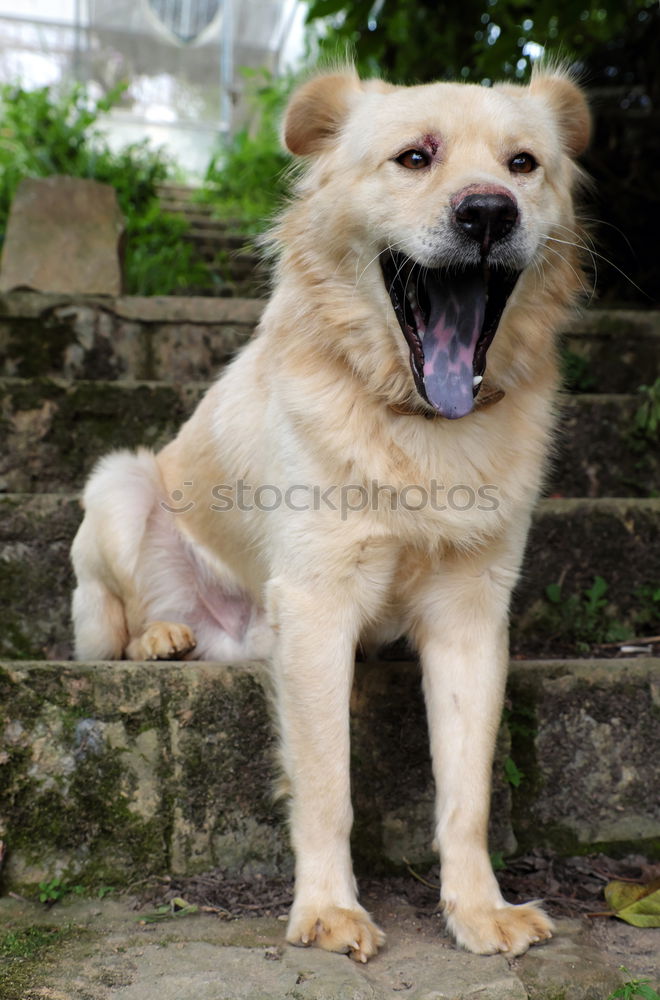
[
  {"x": 53, "y": 890},
  {"x": 647, "y": 612},
  {"x": 584, "y": 617},
  {"x": 577, "y": 372},
  {"x": 42, "y": 133},
  {"x": 634, "y": 988},
  {"x": 249, "y": 177},
  {"x": 512, "y": 772},
  {"x": 647, "y": 418}
]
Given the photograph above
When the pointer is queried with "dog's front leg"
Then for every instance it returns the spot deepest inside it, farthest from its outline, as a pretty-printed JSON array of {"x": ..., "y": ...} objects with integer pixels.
[
  {"x": 317, "y": 632},
  {"x": 463, "y": 640}
]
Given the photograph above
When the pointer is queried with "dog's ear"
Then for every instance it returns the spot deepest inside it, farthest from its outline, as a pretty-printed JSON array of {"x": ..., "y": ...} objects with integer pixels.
[
  {"x": 569, "y": 106},
  {"x": 317, "y": 111}
]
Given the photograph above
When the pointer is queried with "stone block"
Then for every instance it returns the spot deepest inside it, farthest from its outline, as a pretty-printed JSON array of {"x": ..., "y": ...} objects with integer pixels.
[
  {"x": 113, "y": 771},
  {"x": 63, "y": 235},
  {"x": 170, "y": 338},
  {"x": 586, "y": 735}
]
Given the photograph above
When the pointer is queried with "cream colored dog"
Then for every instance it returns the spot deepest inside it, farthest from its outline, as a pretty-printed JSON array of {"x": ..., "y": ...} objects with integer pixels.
[{"x": 367, "y": 467}]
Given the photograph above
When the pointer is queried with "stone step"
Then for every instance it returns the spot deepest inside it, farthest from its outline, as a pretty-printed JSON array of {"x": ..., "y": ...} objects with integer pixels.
[
  {"x": 599, "y": 452},
  {"x": 614, "y": 350},
  {"x": 55, "y": 429},
  {"x": 186, "y": 339},
  {"x": 572, "y": 542},
  {"x": 117, "y": 771},
  {"x": 171, "y": 338},
  {"x": 103, "y": 949},
  {"x": 181, "y": 192},
  {"x": 201, "y": 217},
  {"x": 210, "y": 237}
]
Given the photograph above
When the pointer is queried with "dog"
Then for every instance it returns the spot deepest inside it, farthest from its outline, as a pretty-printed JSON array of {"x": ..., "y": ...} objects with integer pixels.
[{"x": 426, "y": 260}]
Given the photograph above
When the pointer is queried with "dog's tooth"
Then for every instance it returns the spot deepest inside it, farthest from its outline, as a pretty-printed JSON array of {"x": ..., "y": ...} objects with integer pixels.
[{"x": 477, "y": 380}]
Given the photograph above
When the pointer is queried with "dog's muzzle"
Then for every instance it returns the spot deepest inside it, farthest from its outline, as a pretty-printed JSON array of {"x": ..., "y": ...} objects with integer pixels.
[{"x": 449, "y": 315}]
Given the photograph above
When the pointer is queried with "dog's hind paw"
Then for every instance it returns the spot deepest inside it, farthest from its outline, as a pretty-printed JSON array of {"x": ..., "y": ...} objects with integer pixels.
[
  {"x": 508, "y": 929},
  {"x": 334, "y": 928},
  {"x": 162, "y": 641}
]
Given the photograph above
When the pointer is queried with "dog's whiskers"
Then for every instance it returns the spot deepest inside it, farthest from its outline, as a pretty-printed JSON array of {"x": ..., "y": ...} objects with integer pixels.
[
  {"x": 539, "y": 272},
  {"x": 594, "y": 254},
  {"x": 390, "y": 247},
  {"x": 588, "y": 292}
]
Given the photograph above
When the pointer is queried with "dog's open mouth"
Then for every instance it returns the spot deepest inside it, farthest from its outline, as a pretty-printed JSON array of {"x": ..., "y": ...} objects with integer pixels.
[{"x": 449, "y": 318}]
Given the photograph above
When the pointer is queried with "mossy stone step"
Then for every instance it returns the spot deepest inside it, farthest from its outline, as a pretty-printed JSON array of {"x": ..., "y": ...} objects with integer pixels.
[
  {"x": 599, "y": 452},
  {"x": 169, "y": 338},
  {"x": 572, "y": 542},
  {"x": 117, "y": 771},
  {"x": 55, "y": 429},
  {"x": 613, "y": 350},
  {"x": 188, "y": 339}
]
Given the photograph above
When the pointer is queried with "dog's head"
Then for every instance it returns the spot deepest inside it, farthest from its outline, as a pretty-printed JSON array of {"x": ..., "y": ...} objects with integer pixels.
[{"x": 455, "y": 189}]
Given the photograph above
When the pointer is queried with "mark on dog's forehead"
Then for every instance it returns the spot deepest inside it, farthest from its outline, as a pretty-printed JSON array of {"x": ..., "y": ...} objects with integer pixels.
[
  {"x": 433, "y": 115},
  {"x": 432, "y": 143}
]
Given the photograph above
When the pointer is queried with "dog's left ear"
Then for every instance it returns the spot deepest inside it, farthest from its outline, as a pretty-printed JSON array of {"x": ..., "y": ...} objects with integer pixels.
[
  {"x": 317, "y": 111},
  {"x": 569, "y": 106}
]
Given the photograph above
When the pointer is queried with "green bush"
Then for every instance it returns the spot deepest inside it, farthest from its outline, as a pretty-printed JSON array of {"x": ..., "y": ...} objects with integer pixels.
[
  {"x": 42, "y": 133},
  {"x": 249, "y": 177}
]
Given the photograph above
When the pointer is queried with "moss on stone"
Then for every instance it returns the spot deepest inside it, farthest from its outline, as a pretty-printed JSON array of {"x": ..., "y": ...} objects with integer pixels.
[
  {"x": 79, "y": 804},
  {"x": 32, "y": 353},
  {"x": 25, "y": 954},
  {"x": 86, "y": 818}
]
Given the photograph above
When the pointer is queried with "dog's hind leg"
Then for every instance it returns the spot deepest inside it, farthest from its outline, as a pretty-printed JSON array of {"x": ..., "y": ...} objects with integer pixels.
[
  {"x": 99, "y": 622},
  {"x": 161, "y": 641},
  {"x": 110, "y": 552}
]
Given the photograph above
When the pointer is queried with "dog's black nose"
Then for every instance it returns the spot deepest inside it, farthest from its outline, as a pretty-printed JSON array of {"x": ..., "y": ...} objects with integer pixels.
[{"x": 486, "y": 218}]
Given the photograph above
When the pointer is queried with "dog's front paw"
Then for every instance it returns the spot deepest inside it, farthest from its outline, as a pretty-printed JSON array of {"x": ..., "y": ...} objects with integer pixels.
[
  {"x": 335, "y": 928},
  {"x": 506, "y": 928},
  {"x": 162, "y": 641}
]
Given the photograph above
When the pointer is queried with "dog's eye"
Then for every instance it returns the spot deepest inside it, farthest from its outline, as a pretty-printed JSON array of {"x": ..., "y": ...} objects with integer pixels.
[
  {"x": 522, "y": 163},
  {"x": 414, "y": 159}
]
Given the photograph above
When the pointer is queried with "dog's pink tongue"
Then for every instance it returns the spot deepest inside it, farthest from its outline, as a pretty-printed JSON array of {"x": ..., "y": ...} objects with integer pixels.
[{"x": 456, "y": 318}]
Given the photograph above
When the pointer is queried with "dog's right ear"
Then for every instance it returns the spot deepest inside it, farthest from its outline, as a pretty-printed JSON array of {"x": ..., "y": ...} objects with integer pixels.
[{"x": 317, "y": 111}]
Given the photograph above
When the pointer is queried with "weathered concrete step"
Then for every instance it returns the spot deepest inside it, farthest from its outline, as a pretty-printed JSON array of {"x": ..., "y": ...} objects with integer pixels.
[
  {"x": 186, "y": 339},
  {"x": 170, "y": 338},
  {"x": 599, "y": 452},
  {"x": 55, "y": 429},
  {"x": 115, "y": 771},
  {"x": 614, "y": 350},
  {"x": 572, "y": 542},
  {"x": 182, "y": 192},
  {"x": 217, "y": 238}
]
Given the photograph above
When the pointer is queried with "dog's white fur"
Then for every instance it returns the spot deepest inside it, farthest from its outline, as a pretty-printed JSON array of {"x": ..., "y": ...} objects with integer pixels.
[{"x": 165, "y": 570}]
